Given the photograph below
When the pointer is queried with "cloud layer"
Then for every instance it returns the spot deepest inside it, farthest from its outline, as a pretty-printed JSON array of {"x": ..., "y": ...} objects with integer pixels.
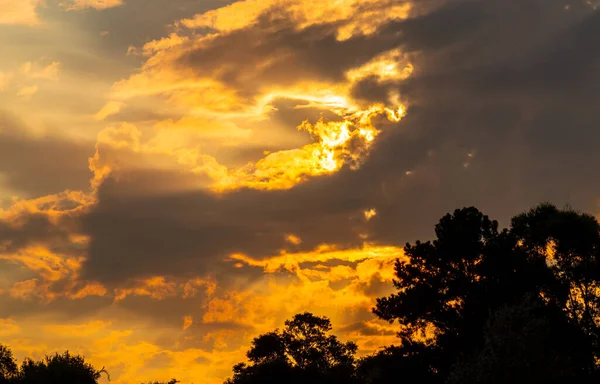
[{"x": 170, "y": 194}]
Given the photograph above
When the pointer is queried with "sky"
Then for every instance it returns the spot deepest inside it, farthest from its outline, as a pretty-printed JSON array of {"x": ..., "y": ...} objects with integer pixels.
[{"x": 179, "y": 176}]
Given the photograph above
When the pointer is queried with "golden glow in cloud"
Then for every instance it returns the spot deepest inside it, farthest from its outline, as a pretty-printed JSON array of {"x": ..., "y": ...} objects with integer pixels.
[
  {"x": 78, "y": 5},
  {"x": 369, "y": 214},
  {"x": 156, "y": 287},
  {"x": 188, "y": 321},
  {"x": 355, "y": 16},
  {"x": 336, "y": 143}
]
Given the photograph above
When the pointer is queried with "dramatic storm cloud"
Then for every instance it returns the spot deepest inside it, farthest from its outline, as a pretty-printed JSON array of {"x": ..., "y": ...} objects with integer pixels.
[{"x": 178, "y": 176}]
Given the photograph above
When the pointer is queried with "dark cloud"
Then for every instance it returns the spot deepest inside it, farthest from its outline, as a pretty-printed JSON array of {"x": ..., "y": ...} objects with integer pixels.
[
  {"x": 59, "y": 310},
  {"x": 515, "y": 95},
  {"x": 495, "y": 121},
  {"x": 112, "y": 31},
  {"x": 275, "y": 52},
  {"x": 192, "y": 233},
  {"x": 40, "y": 166},
  {"x": 31, "y": 229}
]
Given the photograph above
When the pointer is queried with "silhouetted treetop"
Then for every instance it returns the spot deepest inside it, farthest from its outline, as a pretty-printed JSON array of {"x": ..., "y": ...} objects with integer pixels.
[
  {"x": 8, "y": 366},
  {"x": 302, "y": 351},
  {"x": 447, "y": 288}
]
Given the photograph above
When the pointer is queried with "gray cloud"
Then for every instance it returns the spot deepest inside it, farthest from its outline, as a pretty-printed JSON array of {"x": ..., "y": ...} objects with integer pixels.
[
  {"x": 40, "y": 166},
  {"x": 274, "y": 51},
  {"x": 490, "y": 125},
  {"x": 502, "y": 116},
  {"x": 192, "y": 233}
]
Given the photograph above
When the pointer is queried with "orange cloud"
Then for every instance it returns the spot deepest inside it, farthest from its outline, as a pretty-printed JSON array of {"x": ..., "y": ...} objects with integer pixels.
[
  {"x": 354, "y": 16},
  {"x": 292, "y": 261},
  {"x": 293, "y": 239},
  {"x": 156, "y": 287},
  {"x": 78, "y": 5},
  {"x": 109, "y": 109},
  {"x": 49, "y": 265},
  {"x": 369, "y": 214},
  {"x": 311, "y": 286},
  {"x": 192, "y": 287},
  {"x": 212, "y": 105},
  {"x": 188, "y": 321}
]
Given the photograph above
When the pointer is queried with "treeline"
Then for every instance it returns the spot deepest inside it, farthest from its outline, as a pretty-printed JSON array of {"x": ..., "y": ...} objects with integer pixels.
[{"x": 476, "y": 305}]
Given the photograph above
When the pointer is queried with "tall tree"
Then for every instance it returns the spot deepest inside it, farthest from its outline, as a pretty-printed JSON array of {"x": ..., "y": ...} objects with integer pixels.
[
  {"x": 569, "y": 243},
  {"x": 304, "y": 351},
  {"x": 447, "y": 288}
]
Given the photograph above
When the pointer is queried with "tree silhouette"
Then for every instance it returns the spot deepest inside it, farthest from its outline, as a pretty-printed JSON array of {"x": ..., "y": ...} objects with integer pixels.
[
  {"x": 447, "y": 288},
  {"x": 412, "y": 360},
  {"x": 62, "y": 368},
  {"x": 528, "y": 340},
  {"x": 8, "y": 366},
  {"x": 302, "y": 352},
  {"x": 569, "y": 241}
]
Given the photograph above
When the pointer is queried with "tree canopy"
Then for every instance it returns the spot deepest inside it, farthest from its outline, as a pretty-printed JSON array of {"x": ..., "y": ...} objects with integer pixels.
[
  {"x": 304, "y": 350},
  {"x": 453, "y": 293}
]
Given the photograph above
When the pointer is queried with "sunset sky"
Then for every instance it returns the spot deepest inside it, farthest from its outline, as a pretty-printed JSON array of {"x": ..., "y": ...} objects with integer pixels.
[{"x": 179, "y": 176}]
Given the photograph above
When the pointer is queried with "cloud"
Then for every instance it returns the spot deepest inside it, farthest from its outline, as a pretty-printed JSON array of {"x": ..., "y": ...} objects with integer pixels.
[
  {"x": 27, "y": 79},
  {"x": 354, "y": 17},
  {"x": 26, "y": 93},
  {"x": 156, "y": 287},
  {"x": 79, "y": 5},
  {"x": 5, "y": 79},
  {"x": 411, "y": 176},
  {"x": 19, "y": 12},
  {"x": 222, "y": 76},
  {"x": 25, "y": 166},
  {"x": 188, "y": 321},
  {"x": 36, "y": 70},
  {"x": 109, "y": 109}
]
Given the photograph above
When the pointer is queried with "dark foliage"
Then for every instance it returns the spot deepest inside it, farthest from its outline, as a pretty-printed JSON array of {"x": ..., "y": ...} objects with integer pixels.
[
  {"x": 528, "y": 340},
  {"x": 462, "y": 295},
  {"x": 8, "y": 366},
  {"x": 58, "y": 369},
  {"x": 303, "y": 352}
]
